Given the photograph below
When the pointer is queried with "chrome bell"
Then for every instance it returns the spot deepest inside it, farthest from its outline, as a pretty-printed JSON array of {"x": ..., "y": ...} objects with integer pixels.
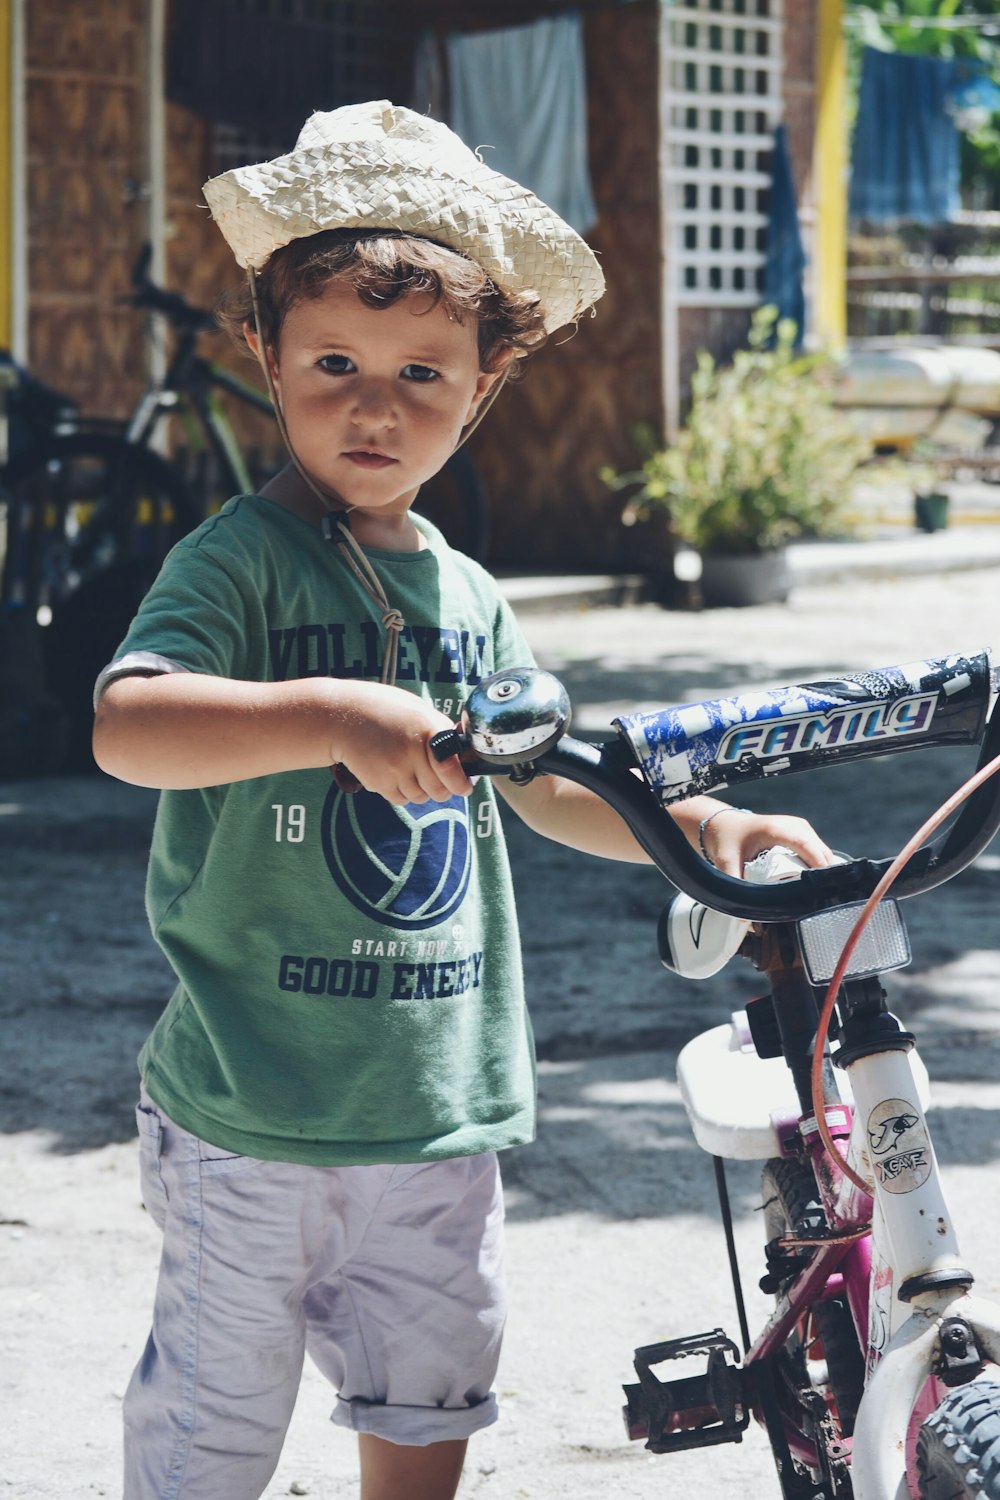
[{"x": 513, "y": 717}]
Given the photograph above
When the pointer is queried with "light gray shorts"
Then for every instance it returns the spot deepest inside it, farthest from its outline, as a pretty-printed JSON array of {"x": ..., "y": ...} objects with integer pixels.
[{"x": 390, "y": 1276}]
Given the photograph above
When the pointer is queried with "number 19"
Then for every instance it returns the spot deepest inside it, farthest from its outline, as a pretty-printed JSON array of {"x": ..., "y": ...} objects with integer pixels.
[{"x": 289, "y": 823}]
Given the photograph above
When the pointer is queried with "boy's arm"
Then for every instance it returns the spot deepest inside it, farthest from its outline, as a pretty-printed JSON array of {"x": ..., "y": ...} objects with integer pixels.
[
  {"x": 572, "y": 815},
  {"x": 188, "y": 729}
]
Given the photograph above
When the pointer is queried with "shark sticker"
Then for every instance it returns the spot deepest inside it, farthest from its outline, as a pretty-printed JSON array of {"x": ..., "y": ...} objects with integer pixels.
[{"x": 898, "y": 1145}]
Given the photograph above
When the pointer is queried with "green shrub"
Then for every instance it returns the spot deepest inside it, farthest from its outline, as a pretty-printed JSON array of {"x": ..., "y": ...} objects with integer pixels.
[{"x": 764, "y": 456}]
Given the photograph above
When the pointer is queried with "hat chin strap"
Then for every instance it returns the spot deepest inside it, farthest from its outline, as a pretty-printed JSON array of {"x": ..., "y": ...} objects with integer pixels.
[
  {"x": 483, "y": 408},
  {"x": 335, "y": 525}
]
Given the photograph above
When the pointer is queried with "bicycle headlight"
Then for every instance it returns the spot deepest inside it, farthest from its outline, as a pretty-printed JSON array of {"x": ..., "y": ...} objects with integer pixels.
[{"x": 883, "y": 944}]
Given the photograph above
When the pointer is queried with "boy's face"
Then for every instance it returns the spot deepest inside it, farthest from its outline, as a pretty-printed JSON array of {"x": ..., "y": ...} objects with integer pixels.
[{"x": 375, "y": 399}]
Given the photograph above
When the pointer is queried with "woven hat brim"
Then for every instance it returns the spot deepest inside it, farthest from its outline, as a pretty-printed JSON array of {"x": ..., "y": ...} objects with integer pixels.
[{"x": 399, "y": 184}]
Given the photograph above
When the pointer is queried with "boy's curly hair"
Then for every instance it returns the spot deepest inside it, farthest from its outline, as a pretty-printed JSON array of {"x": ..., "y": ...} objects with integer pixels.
[{"x": 383, "y": 266}]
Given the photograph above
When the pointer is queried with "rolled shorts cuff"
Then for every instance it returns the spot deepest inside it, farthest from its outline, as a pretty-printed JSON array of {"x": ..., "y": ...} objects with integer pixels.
[{"x": 414, "y": 1426}]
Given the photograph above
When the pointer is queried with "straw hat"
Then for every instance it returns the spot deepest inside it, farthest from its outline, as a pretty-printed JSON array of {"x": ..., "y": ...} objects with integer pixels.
[{"x": 378, "y": 166}]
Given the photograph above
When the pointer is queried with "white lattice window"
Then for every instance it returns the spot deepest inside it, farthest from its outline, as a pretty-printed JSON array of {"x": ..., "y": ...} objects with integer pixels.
[{"x": 721, "y": 72}]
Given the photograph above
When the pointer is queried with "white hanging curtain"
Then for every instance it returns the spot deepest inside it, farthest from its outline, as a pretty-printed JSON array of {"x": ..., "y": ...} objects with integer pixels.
[{"x": 520, "y": 97}]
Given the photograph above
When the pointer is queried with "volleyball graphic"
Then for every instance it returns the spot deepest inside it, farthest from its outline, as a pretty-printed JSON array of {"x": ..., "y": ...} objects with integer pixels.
[{"x": 407, "y": 867}]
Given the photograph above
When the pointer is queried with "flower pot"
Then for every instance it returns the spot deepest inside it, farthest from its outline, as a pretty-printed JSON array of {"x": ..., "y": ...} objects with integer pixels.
[
  {"x": 737, "y": 581},
  {"x": 930, "y": 512}
]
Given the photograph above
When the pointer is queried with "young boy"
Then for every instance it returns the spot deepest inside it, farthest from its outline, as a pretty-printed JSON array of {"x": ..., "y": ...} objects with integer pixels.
[{"x": 347, "y": 1047}]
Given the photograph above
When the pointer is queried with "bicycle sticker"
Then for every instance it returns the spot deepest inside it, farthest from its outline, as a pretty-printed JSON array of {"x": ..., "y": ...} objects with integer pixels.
[
  {"x": 879, "y": 1310},
  {"x": 899, "y": 1146},
  {"x": 700, "y": 747}
]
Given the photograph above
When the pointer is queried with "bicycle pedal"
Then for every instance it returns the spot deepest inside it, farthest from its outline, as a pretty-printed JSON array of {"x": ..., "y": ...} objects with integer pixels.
[{"x": 695, "y": 1411}]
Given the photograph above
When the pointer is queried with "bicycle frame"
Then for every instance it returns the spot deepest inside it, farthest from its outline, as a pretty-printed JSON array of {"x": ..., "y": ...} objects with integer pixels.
[
  {"x": 912, "y": 1239},
  {"x": 915, "y": 1260},
  {"x": 190, "y": 386},
  {"x": 891, "y": 1254}
]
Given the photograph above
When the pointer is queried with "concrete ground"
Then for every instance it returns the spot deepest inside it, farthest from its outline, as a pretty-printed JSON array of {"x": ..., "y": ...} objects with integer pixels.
[{"x": 613, "y": 1240}]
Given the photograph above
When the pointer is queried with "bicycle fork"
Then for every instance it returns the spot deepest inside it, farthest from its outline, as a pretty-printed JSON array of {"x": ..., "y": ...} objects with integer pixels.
[{"x": 924, "y": 1321}]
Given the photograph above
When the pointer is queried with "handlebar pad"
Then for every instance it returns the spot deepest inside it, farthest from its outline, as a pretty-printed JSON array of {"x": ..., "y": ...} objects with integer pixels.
[
  {"x": 606, "y": 771},
  {"x": 686, "y": 750},
  {"x": 700, "y": 747}
]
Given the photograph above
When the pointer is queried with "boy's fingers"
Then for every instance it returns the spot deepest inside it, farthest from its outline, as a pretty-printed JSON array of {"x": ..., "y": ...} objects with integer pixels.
[
  {"x": 734, "y": 850},
  {"x": 806, "y": 842},
  {"x": 816, "y": 853},
  {"x": 448, "y": 775}
]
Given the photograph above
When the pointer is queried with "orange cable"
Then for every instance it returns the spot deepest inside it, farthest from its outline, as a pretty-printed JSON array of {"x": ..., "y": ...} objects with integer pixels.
[{"x": 826, "y": 1011}]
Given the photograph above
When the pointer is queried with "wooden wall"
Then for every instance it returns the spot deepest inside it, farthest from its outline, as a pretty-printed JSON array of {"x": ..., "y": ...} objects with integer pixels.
[
  {"x": 85, "y": 120},
  {"x": 542, "y": 445},
  {"x": 200, "y": 264}
]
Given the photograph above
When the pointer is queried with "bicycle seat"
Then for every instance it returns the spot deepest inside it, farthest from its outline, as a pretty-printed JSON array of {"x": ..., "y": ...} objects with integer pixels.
[{"x": 740, "y": 1105}]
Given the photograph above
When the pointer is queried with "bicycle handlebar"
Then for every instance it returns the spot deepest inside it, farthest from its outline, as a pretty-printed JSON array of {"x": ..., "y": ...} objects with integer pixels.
[
  {"x": 175, "y": 308},
  {"x": 514, "y": 722}
]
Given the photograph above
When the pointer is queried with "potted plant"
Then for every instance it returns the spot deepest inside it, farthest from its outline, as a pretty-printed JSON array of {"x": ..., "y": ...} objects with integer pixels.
[{"x": 764, "y": 458}]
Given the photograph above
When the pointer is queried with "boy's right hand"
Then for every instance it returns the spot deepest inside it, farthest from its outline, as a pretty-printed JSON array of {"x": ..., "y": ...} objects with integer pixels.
[
  {"x": 383, "y": 739},
  {"x": 189, "y": 729}
]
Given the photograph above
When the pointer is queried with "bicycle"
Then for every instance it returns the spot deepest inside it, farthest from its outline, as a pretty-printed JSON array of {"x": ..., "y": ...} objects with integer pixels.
[
  {"x": 90, "y": 508},
  {"x": 877, "y": 1376}
]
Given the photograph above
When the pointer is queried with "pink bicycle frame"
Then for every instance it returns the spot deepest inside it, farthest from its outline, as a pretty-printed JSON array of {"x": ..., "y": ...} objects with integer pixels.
[
  {"x": 901, "y": 1387},
  {"x": 840, "y": 1268}
]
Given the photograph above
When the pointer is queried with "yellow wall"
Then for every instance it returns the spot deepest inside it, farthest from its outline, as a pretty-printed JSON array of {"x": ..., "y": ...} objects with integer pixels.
[
  {"x": 6, "y": 201},
  {"x": 831, "y": 175}
]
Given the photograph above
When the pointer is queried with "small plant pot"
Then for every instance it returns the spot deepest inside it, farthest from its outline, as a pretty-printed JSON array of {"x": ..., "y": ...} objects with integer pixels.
[
  {"x": 930, "y": 512},
  {"x": 739, "y": 581}
]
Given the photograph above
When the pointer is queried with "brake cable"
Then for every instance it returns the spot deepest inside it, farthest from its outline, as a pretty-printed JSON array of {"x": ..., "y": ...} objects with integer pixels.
[{"x": 881, "y": 890}]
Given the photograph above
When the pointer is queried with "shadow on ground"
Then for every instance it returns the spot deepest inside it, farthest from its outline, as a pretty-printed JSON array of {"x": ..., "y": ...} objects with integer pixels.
[{"x": 81, "y": 981}]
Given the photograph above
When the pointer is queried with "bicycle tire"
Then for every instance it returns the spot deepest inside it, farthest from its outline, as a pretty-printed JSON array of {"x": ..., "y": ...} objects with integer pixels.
[
  {"x": 87, "y": 521},
  {"x": 825, "y": 1356},
  {"x": 958, "y": 1445}
]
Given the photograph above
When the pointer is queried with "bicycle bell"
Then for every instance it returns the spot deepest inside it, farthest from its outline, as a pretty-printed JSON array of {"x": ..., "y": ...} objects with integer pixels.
[{"x": 513, "y": 717}]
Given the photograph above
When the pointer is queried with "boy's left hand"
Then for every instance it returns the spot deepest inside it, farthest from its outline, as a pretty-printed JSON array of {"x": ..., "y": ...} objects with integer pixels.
[{"x": 732, "y": 838}]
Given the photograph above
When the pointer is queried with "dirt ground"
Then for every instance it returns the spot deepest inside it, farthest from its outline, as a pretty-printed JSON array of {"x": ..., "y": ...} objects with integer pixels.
[{"x": 612, "y": 1236}]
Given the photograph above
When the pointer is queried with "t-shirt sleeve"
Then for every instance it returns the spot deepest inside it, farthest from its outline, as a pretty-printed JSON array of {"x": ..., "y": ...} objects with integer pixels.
[{"x": 198, "y": 616}]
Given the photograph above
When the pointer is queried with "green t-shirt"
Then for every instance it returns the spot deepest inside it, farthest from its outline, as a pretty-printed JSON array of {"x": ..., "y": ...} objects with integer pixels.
[{"x": 350, "y": 985}]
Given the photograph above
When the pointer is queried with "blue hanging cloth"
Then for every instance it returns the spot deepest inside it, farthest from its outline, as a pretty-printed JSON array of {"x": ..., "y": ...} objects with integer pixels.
[
  {"x": 904, "y": 157},
  {"x": 786, "y": 259},
  {"x": 520, "y": 94}
]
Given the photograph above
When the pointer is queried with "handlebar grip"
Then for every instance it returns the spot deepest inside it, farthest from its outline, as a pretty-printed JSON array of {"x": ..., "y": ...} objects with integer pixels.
[{"x": 448, "y": 742}]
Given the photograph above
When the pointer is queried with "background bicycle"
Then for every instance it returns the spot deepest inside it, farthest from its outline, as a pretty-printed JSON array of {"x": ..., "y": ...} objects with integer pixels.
[{"x": 89, "y": 508}]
